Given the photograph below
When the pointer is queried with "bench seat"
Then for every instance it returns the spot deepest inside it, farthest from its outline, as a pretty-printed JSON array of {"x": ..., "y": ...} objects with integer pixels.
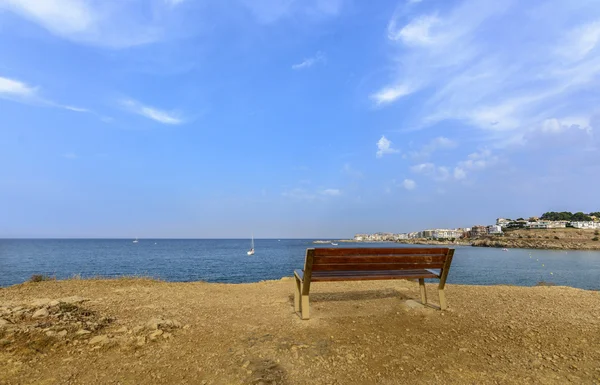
[{"x": 366, "y": 275}]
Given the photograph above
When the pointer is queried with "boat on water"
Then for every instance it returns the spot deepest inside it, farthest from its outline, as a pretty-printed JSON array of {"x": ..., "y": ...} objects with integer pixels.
[
  {"x": 251, "y": 251},
  {"x": 334, "y": 244},
  {"x": 135, "y": 240}
]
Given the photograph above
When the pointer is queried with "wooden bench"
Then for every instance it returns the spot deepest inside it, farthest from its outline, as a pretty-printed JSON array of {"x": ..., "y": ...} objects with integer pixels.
[{"x": 358, "y": 264}]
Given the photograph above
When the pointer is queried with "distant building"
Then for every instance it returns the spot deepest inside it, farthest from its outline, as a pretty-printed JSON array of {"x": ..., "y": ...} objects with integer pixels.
[
  {"x": 494, "y": 229},
  {"x": 477, "y": 231},
  {"x": 502, "y": 222},
  {"x": 586, "y": 225}
]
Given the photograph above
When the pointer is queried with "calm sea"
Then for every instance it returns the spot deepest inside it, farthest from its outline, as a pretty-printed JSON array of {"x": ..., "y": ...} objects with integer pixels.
[{"x": 225, "y": 260}]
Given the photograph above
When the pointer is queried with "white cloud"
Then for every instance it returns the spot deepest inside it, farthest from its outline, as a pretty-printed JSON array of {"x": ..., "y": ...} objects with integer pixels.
[
  {"x": 438, "y": 143},
  {"x": 299, "y": 194},
  {"x": 151, "y": 112},
  {"x": 580, "y": 41},
  {"x": 423, "y": 168},
  {"x": 332, "y": 192},
  {"x": 417, "y": 32},
  {"x": 307, "y": 63},
  {"x": 469, "y": 72},
  {"x": 384, "y": 146},
  {"x": 479, "y": 160},
  {"x": 459, "y": 173},
  {"x": 391, "y": 94},
  {"x": 76, "y": 109},
  {"x": 106, "y": 23},
  {"x": 409, "y": 184},
  {"x": 14, "y": 88}
]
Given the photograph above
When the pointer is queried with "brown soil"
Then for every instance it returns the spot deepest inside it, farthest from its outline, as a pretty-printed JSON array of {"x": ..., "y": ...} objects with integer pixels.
[
  {"x": 149, "y": 332},
  {"x": 561, "y": 239}
]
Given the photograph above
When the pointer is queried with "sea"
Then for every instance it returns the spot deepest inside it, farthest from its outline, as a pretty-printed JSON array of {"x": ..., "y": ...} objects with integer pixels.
[{"x": 226, "y": 261}]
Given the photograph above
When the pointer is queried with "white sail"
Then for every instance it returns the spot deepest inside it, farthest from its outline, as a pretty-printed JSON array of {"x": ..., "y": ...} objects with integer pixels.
[{"x": 251, "y": 251}]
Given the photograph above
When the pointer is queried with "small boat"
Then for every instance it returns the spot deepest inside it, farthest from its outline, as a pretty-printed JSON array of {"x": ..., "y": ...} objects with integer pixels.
[
  {"x": 505, "y": 249},
  {"x": 334, "y": 244},
  {"x": 251, "y": 251},
  {"x": 136, "y": 240}
]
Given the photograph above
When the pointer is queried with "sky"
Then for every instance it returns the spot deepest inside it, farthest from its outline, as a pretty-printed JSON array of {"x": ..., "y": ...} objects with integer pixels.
[{"x": 294, "y": 118}]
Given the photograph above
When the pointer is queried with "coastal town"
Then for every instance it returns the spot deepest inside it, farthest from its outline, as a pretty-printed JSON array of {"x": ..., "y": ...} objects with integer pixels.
[{"x": 549, "y": 220}]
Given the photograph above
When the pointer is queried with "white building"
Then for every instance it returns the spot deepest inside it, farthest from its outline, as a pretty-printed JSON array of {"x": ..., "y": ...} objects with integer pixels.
[
  {"x": 586, "y": 225},
  {"x": 494, "y": 229}
]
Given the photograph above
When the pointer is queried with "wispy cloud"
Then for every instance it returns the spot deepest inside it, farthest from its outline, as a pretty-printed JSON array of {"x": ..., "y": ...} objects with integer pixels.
[
  {"x": 22, "y": 92},
  {"x": 467, "y": 71},
  {"x": 11, "y": 88},
  {"x": 391, "y": 94},
  {"x": 436, "y": 144},
  {"x": 417, "y": 32},
  {"x": 384, "y": 146},
  {"x": 107, "y": 23},
  {"x": 151, "y": 112},
  {"x": 409, "y": 184},
  {"x": 332, "y": 192},
  {"x": 309, "y": 62}
]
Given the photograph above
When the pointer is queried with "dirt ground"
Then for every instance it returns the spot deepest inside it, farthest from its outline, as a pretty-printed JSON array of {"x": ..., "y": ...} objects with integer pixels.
[{"x": 136, "y": 331}]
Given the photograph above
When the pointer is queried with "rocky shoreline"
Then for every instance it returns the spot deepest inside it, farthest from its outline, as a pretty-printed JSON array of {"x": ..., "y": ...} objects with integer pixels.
[{"x": 556, "y": 239}]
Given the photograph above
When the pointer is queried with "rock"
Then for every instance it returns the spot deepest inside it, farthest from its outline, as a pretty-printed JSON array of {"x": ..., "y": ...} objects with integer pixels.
[
  {"x": 138, "y": 329},
  {"x": 40, "y": 302},
  {"x": 122, "y": 330},
  {"x": 3, "y": 322},
  {"x": 186, "y": 326},
  {"x": 159, "y": 323},
  {"x": 155, "y": 334},
  {"x": 167, "y": 336},
  {"x": 41, "y": 313},
  {"x": 73, "y": 299},
  {"x": 81, "y": 332},
  {"x": 53, "y": 303},
  {"x": 62, "y": 333},
  {"x": 140, "y": 341},
  {"x": 102, "y": 339}
]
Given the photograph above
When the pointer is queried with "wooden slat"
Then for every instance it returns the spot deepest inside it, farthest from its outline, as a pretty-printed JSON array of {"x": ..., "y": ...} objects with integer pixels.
[
  {"x": 375, "y": 272},
  {"x": 376, "y": 266},
  {"x": 367, "y": 277},
  {"x": 426, "y": 258},
  {"x": 340, "y": 251}
]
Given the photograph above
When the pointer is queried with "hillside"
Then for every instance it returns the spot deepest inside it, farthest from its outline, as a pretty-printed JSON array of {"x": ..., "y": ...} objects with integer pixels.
[{"x": 562, "y": 239}]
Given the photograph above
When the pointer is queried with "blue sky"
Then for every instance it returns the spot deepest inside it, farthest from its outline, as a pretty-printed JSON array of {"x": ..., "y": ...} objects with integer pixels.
[{"x": 290, "y": 118}]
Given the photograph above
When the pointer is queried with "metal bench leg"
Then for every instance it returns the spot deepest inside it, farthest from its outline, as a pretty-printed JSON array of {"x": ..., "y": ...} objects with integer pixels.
[
  {"x": 304, "y": 306},
  {"x": 297, "y": 294},
  {"x": 423, "y": 292},
  {"x": 443, "y": 304}
]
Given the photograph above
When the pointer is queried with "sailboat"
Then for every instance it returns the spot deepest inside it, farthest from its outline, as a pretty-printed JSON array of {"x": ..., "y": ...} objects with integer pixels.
[
  {"x": 251, "y": 251},
  {"x": 136, "y": 240}
]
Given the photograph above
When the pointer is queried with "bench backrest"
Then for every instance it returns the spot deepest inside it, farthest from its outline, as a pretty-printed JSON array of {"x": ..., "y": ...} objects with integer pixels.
[{"x": 362, "y": 259}]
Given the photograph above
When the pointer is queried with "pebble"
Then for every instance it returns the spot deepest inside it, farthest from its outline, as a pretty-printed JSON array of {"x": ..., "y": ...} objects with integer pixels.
[
  {"x": 155, "y": 334},
  {"x": 102, "y": 339},
  {"x": 82, "y": 332},
  {"x": 41, "y": 313}
]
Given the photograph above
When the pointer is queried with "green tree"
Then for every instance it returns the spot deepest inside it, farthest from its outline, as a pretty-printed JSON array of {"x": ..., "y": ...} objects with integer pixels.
[{"x": 580, "y": 217}]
